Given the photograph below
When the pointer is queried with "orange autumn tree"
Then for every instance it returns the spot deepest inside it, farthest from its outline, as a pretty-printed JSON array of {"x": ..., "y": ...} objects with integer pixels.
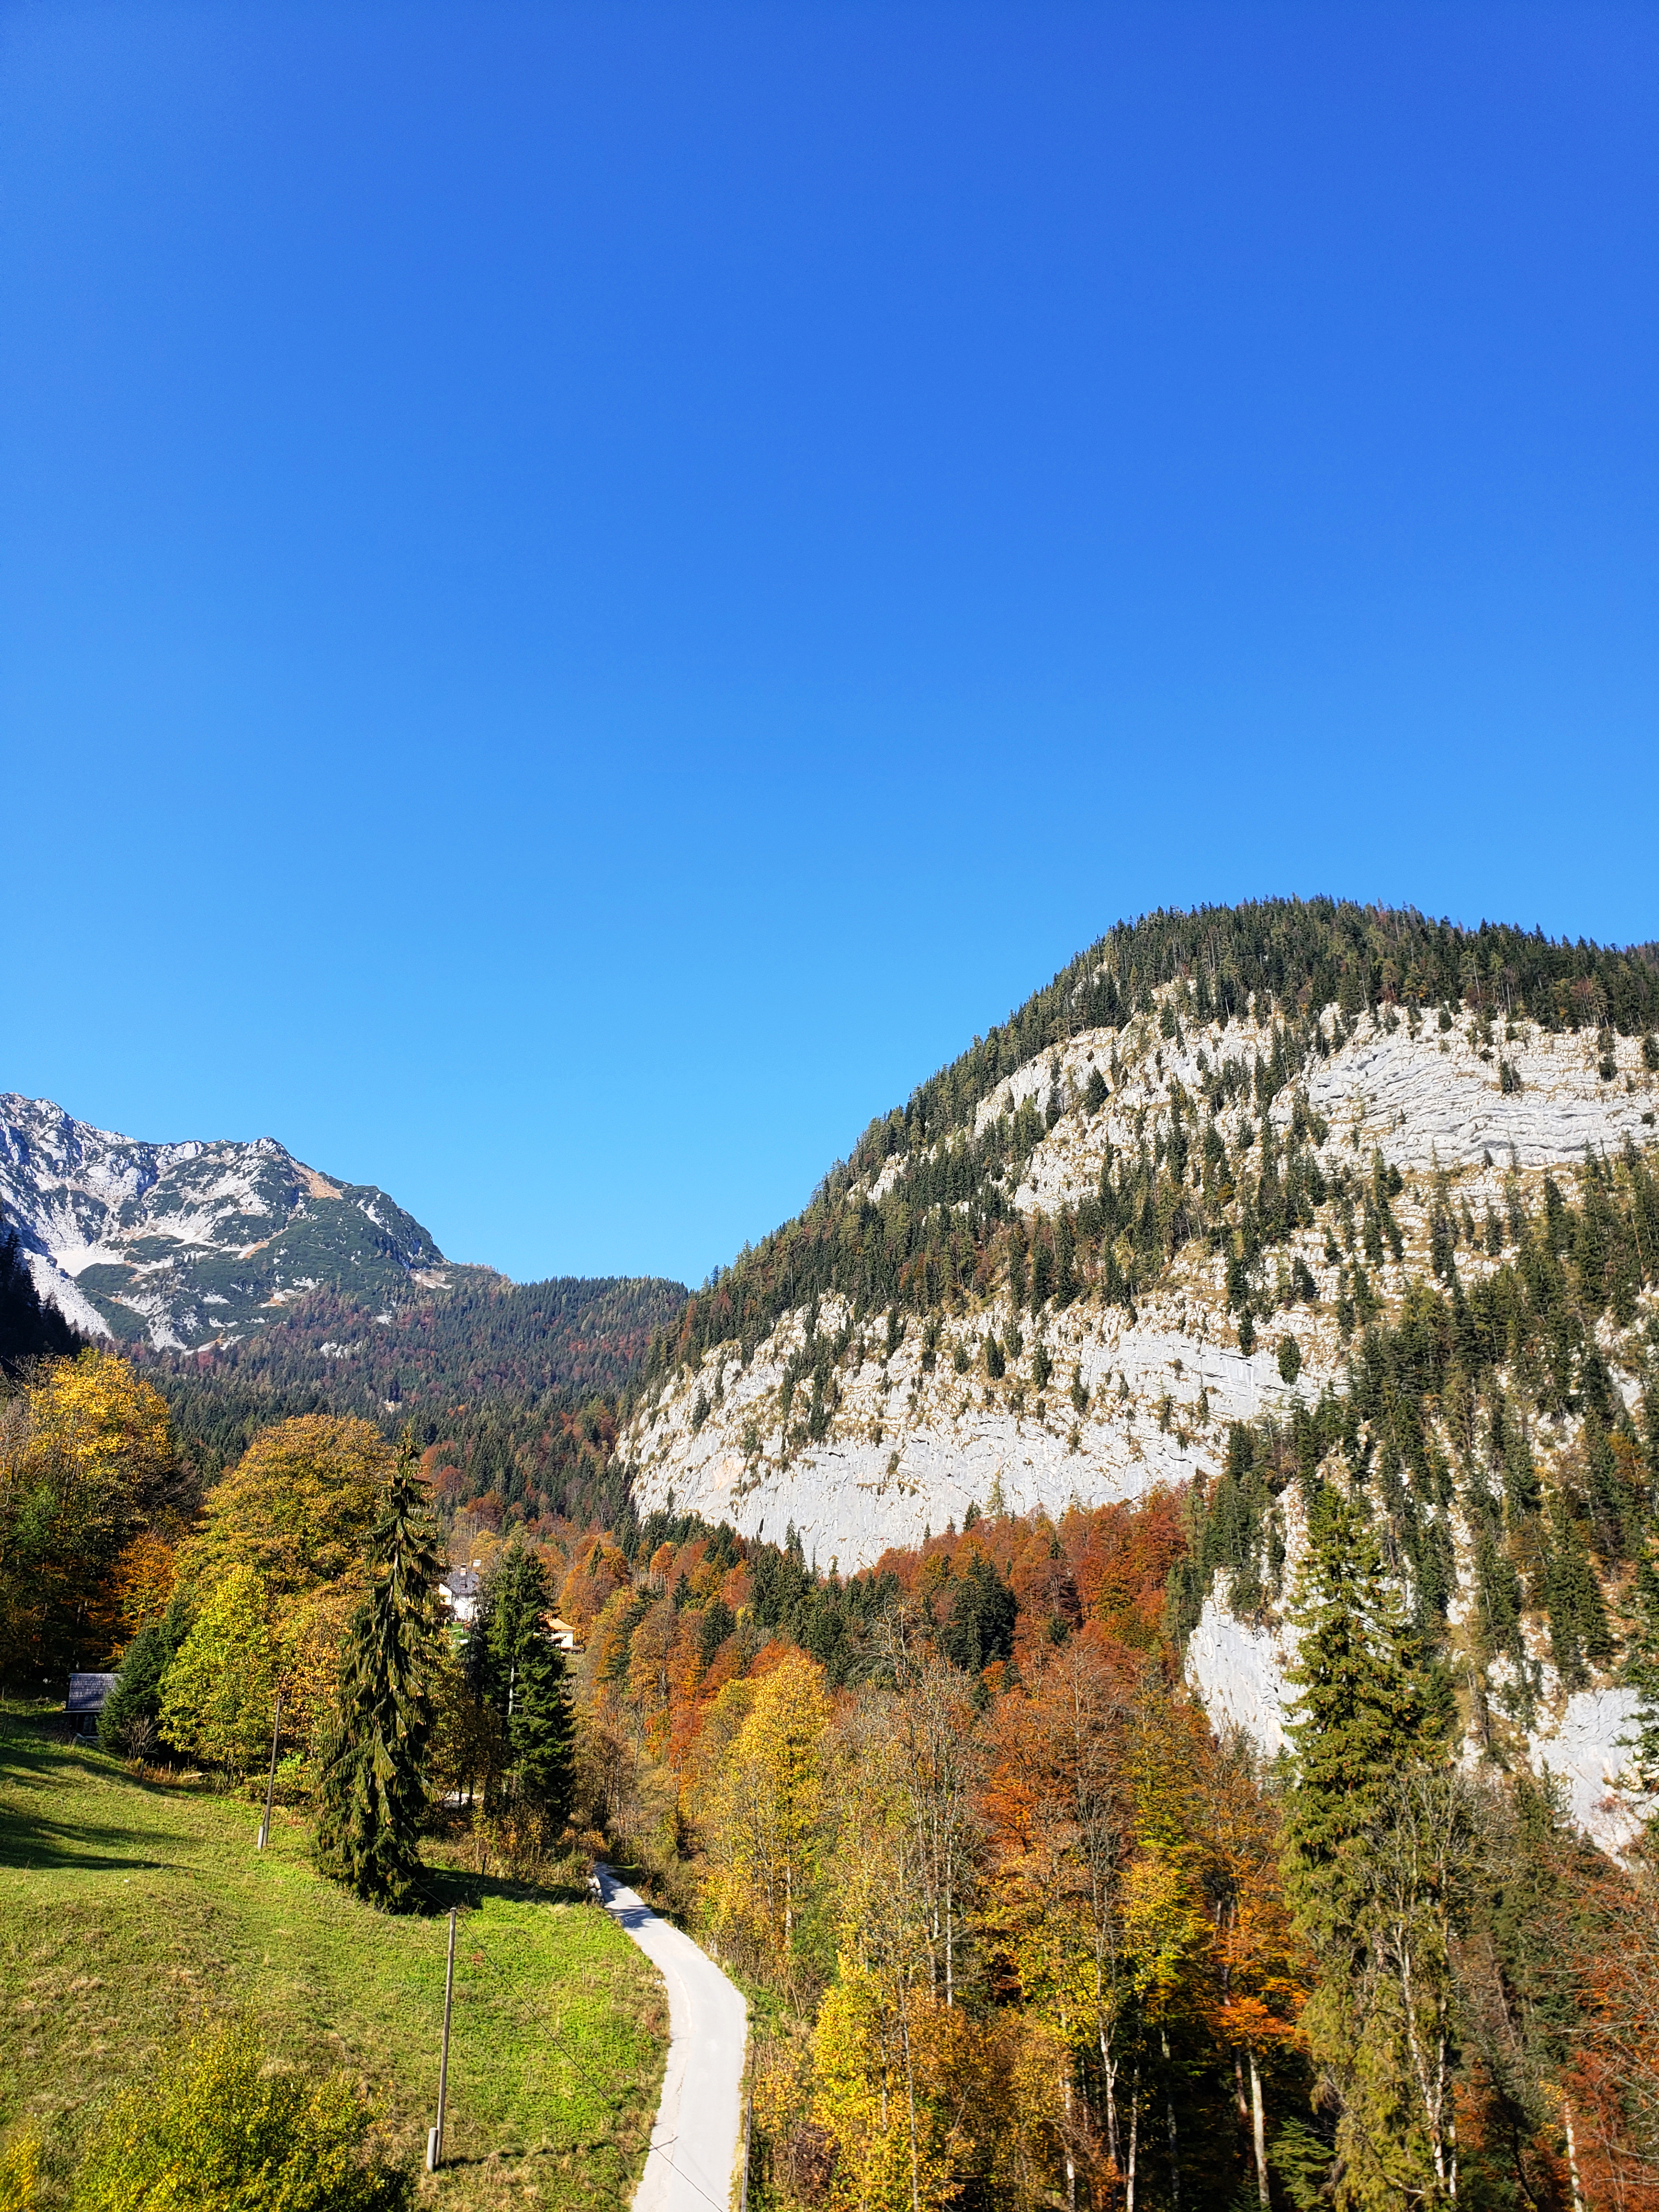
[
  {"x": 1098, "y": 1903},
  {"x": 1061, "y": 1835},
  {"x": 1263, "y": 1971},
  {"x": 1607, "y": 2097},
  {"x": 141, "y": 1582}
]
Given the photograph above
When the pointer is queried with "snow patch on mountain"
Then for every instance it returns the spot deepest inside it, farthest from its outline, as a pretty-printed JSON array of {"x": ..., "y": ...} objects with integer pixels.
[
  {"x": 187, "y": 1243},
  {"x": 59, "y": 1289}
]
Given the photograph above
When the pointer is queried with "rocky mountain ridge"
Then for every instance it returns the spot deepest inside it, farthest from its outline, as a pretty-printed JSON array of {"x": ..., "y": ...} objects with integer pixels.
[{"x": 191, "y": 1244}]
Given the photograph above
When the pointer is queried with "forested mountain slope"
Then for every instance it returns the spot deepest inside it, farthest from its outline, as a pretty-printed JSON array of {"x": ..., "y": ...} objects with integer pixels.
[
  {"x": 1133, "y": 1193},
  {"x": 513, "y": 1383},
  {"x": 1210, "y": 1180}
]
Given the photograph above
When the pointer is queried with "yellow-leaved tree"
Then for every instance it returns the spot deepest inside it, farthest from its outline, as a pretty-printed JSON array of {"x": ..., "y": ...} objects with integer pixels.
[
  {"x": 85, "y": 1452},
  {"x": 295, "y": 1512},
  {"x": 892, "y": 2056},
  {"x": 768, "y": 1809},
  {"x": 216, "y": 1696},
  {"x": 297, "y": 1506}
]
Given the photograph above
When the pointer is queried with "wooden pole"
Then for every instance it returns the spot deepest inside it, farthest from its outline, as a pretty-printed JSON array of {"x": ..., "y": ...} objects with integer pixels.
[
  {"x": 271, "y": 1785},
  {"x": 434, "y": 2141},
  {"x": 743, "y": 2185}
]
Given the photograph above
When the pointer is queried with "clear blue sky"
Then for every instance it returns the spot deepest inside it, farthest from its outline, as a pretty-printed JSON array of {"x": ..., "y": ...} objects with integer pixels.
[{"x": 588, "y": 592}]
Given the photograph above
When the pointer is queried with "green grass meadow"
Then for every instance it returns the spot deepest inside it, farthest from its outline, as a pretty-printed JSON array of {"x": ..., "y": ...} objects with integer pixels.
[{"x": 129, "y": 1907}]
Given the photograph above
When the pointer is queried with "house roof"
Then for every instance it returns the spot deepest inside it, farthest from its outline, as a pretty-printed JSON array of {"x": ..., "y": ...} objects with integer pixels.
[
  {"x": 87, "y": 1693},
  {"x": 460, "y": 1582}
]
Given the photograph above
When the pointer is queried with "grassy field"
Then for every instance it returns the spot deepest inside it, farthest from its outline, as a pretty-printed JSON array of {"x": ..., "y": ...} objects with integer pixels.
[{"x": 129, "y": 1907}]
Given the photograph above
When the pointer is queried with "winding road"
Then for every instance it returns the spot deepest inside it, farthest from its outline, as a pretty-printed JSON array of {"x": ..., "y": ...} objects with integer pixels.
[{"x": 694, "y": 2144}]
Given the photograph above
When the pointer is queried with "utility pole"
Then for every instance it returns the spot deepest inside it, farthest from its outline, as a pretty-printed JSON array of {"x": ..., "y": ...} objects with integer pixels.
[
  {"x": 271, "y": 1785},
  {"x": 434, "y": 2138}
]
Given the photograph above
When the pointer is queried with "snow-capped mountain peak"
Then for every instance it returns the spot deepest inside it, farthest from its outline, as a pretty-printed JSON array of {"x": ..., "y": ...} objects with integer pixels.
[{"x": 191, "y": 1242}]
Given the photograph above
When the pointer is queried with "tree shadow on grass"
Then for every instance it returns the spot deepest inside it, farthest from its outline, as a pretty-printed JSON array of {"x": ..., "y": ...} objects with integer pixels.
[
  {"x": 442, "y": 1888},
  {"x": 38, "y": 1754},
  {"x": 597, "y": 2146},
  {"x": 75, "y": 1846}
]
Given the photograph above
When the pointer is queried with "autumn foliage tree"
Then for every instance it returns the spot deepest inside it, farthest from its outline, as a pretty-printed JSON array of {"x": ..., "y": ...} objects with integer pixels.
[
  {"x": 85, "y": 1452},
  {"x": 297, "y": 1510},
  {"x": 765, "y": 1820},
  {"x": 218, "y": 1695}
]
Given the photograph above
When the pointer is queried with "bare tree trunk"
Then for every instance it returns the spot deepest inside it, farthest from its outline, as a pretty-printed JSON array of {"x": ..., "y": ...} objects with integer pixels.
[
  {"x": 1134, "y": 2138},
  {"x": 910, "y": 2092},
  {"x": 1110, "y": 2072},
  {"x": 1572, "y": 2158},
  {"x": 1071, "y": 2162},
  {"x": 1258, "y": 2133},
  {"x": 1169, "y": 2112}
]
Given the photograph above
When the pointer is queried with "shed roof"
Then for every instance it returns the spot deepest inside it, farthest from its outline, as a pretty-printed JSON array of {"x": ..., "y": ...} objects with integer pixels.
[{"x": 87, "y": 1693}]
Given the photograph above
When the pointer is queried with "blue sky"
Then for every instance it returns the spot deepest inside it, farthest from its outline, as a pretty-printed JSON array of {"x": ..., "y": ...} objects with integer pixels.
[{"x": 585, "y": 593}]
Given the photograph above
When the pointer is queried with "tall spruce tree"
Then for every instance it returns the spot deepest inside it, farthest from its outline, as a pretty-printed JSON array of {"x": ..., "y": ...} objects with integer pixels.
[
  {"x": 1376, "y": 1851},
  {"x": 30, "y": 1326},
  {"x": 372, "y": 1790},
  {"x": 132, "y": 1711},
  {"x": 520, "y": 1670},
  {"x": 1642, "y": 1673}
]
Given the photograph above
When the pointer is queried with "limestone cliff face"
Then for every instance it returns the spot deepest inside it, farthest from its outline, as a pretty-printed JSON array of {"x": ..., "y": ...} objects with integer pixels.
[{"x": 919, "y": 1430}]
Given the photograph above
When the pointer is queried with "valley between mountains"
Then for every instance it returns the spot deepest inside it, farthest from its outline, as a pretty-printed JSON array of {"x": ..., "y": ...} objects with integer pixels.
[
  {"x": 1076, "y": 1267},
  {"x": 1130, "y": 1623}
]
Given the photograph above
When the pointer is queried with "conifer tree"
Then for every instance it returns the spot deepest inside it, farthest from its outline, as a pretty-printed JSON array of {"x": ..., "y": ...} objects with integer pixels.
[
  {"x": 1359, "y": 1701},
  {"x": 1367, "y": 1827},
  {"x": 132, "y": 1711},
  {"x": 1642, "y": 1673},
  {"x": 372, "y": 1790},
  {"x": 520, "y": 1671}
]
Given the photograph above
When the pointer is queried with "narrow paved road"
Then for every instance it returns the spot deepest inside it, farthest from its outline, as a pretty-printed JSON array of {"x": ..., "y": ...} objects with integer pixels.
[{"x": 693, "y": 2145}]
